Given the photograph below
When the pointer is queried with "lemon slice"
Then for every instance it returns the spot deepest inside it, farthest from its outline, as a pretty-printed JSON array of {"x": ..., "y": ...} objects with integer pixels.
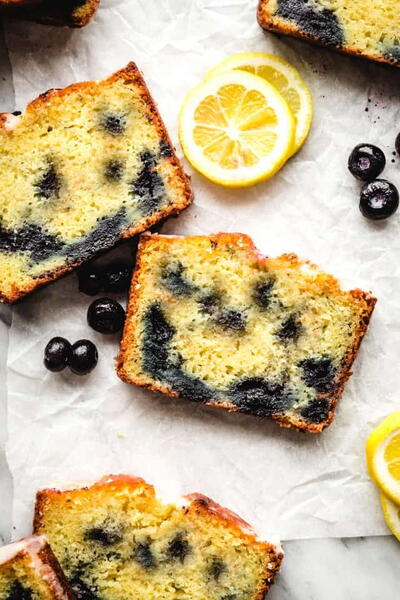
[
  {"x": 236, "y": 129},
  {"x": 391, "y": 512},
  {"x": 383, "y": 456},
  {"x": 284, "y": 77}
]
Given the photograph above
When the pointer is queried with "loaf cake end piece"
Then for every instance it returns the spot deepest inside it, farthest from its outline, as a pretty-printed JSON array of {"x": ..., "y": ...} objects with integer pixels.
[
  {"x": 116, "y": 539},
  {"x": 30, "y": 571}
]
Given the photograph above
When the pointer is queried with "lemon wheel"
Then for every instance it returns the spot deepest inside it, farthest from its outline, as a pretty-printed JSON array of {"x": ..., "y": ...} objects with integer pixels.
[
  {"x": 284, "y": 77},
  {"x": 236, "y": 129},
  {"x": 383, "y": 456}
]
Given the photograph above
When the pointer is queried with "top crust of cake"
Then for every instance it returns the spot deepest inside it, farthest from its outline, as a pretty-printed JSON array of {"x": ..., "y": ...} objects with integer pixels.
[
  {"x": 53, "y": 503},
  {"x": 59, "y": 13},
  {"x": 131, "y": 177},
  {"x": 287, "y": 359},
  {"x": 363, "y": 28},
  {"x": 30, "y": 562}
]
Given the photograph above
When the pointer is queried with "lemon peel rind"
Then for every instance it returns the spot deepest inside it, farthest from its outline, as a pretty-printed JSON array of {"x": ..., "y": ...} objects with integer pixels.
[
  {"x": 391, "y": 515},
  {"x": 375, "y": 450}
]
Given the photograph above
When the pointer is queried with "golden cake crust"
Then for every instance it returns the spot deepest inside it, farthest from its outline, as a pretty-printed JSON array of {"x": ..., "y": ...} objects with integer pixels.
[
  {"x": 366, "y": 300},
  {"x": 267, "y": 22},
  {"x": 129, "y": 75},
  {"x": 194, "y": 504},
  {"x": 49, "y": 12}
]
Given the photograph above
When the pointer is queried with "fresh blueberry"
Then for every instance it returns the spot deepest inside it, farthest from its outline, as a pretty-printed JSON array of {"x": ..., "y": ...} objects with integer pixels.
[
  {"x": 106, "y": 315},
  {"x": 84, "y": 357},
  {"x": 379, "y": 199},
  {"x": 57, "y": 354},
  {"x": 90, "y": 280},
  {"x": 117, "y": 277},
  {"x": 366, "y": 162},
  {"x": 397, "y": 143}
]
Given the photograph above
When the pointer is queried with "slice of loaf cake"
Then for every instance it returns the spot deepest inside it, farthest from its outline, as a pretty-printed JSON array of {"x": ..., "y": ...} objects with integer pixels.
[
  {"x": 115, "y": 539},
  {"x": 211, "y": 320},
  {"x": 82, "y": 168},
  {"x": 365, "y": 28},
  {"x": 69, "y": 13},
  {"x": 30, "y": 571}
]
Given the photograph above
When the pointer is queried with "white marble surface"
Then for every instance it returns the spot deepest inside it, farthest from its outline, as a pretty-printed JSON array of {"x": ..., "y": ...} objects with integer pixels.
[{"x": 324, "y": 569}]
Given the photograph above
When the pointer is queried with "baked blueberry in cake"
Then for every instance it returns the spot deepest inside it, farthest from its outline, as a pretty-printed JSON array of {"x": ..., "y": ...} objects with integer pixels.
[
  {"x": 116, "y": 539},
  {"x": 30, "y": 571},
  {"x": 81, "y": 169},
  {"x": 212, "y": 321},
  {"x": 69, "y": 13},
  {"x": 365, "y": 28}
]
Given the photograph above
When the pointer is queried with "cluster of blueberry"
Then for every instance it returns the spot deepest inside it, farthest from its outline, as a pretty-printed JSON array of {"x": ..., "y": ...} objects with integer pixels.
[
  {"x": 104, "y": 315},
  {"x": 379, "y": 199}
]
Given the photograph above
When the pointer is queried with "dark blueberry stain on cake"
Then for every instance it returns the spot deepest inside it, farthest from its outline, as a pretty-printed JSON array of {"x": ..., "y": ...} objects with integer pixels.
[
  {"x": 178, "y": 548},
  {"x": 216, "y": 568},
  {"x": 173, "y": 279},
  {"x": 318, "y": 372},
  {"x": 112, "y": 123},
  {"x": 157, "y": 335},
  {"x": 260, "y": 397},
  {"x": 83, "y": 590},
  {"x": 320, "y": 24},
  {"x": 49, "y": 184},
  {"x": 18, "y": 591},
  {"x": 317, "y": 411},
  {"x": 113, "y": 170},
  {"x": 31, "y": 239},
  {"x": 148, "y": 187},
  {"x": 290, "y": 329},
  {"x": 165, "y": 149},
  {"x": 230, "y": 319},
  {"x": 210, "y": 303},
  {"x": 104, "y": 235},
  {"x": 262, "y": 294},
  {"x": 143, "y": 555},
  {"x": 393, "y": 54},
  {"x": 105, "y": 535}
]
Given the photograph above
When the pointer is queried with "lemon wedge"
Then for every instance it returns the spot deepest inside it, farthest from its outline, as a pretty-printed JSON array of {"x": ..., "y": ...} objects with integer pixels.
[
  {"x": 236, "y": 129},
  {"x": 383, "y": 456},
  {"x": 281, "y": 75},
  {"x": 391, "y": 512}
]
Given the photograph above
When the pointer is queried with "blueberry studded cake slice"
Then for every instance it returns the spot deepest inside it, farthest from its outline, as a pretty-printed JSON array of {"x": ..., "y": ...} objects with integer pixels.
[
  {"x": 62, "y": 13},
  {"x": 364, "y": 28},
  {"x": 30, "y": 571},
  {"x": 212, "y": 321},
  {"x": 81, "y": 169},
  {"x": 116, "y": 539}
]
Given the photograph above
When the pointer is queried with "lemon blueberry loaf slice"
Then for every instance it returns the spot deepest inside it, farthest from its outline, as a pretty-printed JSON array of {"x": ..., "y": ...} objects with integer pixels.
[
  {"x": 82, "y": 168},
  {"x": 70, "y": 13},
  {"x": 115, "y": 539},
  {"x": 30, "y": 571},
  {"x": 365, "y": 28},
  {"x": 211, "y": 320}
]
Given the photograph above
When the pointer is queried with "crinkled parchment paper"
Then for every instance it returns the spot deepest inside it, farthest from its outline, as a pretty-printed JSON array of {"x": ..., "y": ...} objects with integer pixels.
[{"x": 64, "y": 427}]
